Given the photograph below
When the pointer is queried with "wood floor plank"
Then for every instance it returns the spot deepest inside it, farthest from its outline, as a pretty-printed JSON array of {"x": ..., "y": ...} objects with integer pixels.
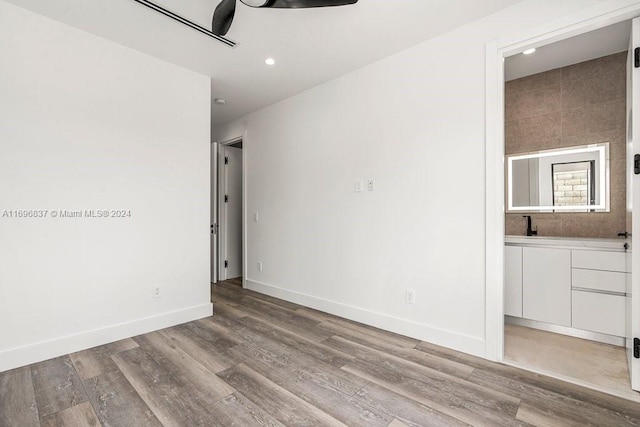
[
  {"x": 445, "y": 393},
  {"x": 271, "y": 300},
  {"x": 409, "y": 411},
  {"x": 372, "y": 355},
  {"x": 230, "y": 300},
  {"x": 367, "y": 333},
  {"x": 321, "y": 390},
  {"x": 343, "y": 407},
  {"x": 524, "y": 378},
  {"x": 544, "y": 418},
  {"x": 556, "y": 406},
  {"x": 206, "y": 323},
  {"x": 79, "y": 415},
  {"x": 116, "y": 402},
  {"x": 57, "y": 385},
  {"x": 375, "y": 333},
  {"x": 318, "y": 316},
  {"x": 311, "y": 348},
  {"x": 284, "y": 318},
  {"x": 237, "y": 410},
  {"x": 170, "y": 402},
  {"x": 225, "y": 316},
  {"x": 235, "y": 282},
  {"x": 476, "y": 409},
  {"x": 397, "y": 423},
  {"x": 441, "y": 364},
  {"x": 473, "y": 361},
  {"x": 249, "y": 355},
  {"x": 18, "y": 405},
  {"x": 210, "y": 333},
  {"x": 95, "y": 361},
  {"x": 201, "y": 382},
  {"x": 285, "y": 357},
  {"x": 231, "y": 290},
  {"x": 280, "y": 403},
  {"x": 213, "y": 358}
]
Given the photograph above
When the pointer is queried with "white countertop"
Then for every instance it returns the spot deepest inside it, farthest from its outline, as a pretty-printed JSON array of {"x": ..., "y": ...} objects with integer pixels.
[{"x": 568, "y": 242}]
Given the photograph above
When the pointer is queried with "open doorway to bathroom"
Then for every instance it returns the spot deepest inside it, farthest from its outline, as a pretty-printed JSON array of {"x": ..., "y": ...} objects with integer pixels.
[{"x": 566, "y": 258}]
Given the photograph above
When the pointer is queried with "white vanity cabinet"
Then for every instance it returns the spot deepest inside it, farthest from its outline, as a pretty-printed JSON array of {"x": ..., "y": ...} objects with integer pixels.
[
  {"x": 579, "y": 284},
  {"x": 546, "y": 285},
  {"x": 598, "y": 291}
]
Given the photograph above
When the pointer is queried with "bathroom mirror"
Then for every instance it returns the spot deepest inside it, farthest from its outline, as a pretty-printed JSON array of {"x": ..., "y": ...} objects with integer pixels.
[{"x": 574, "y": 179}]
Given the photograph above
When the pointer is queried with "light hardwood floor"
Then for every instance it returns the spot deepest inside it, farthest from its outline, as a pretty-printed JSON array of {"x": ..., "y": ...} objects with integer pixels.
[
  {"x": 597, "y": 365},
  {"x": 264, "y": 361}
]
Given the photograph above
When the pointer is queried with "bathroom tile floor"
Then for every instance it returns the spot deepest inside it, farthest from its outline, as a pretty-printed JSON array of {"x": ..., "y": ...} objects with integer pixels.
[{"x": 584, "y": 362}]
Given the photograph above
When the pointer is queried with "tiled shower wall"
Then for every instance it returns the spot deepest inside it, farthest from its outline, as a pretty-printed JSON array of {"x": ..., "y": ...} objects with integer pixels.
[{"x": 580, "y": 104}]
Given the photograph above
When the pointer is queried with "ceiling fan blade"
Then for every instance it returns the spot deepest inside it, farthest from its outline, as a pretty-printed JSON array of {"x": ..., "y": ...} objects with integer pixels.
[
  {"x": 297, "y": 4},
  {"x": 223, "y": 17}
]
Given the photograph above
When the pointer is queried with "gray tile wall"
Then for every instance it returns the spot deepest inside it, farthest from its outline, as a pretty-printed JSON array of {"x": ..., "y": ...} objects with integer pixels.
[{"x": 580, "y": 104}]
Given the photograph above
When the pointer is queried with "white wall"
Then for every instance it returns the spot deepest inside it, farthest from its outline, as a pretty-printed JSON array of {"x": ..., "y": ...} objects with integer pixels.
[
  {"x": 88, "y": 124},
  {"x": 415, "y": 123}
]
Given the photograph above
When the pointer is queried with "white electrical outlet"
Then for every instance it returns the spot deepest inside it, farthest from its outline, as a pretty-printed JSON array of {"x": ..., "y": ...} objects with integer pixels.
[
  {"x": 410, "y": 296},
  {"x": 359, "y": 186},
  {"x": 155, "y": 292},
  {"x": 259, "y": 265},
  {"x": 370, "y": 185}
]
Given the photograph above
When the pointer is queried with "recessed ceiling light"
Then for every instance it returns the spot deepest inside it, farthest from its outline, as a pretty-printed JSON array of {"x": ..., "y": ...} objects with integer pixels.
[
  {"x": 529, "y": 51},
  {"x": 220, "y": 101},
  {"x": 270, "y": 61}
]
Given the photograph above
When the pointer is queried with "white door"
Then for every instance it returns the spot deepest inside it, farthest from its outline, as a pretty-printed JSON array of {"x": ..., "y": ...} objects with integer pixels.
[
  {"x": 232, "y": 222},
  {"x": 214, "y": 211},
  {"x": 633, "y": 205}
]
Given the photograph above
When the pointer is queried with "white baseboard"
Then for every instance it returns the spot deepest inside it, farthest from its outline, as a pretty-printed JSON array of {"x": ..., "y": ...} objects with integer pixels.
[
  {"x": 44, "y": 350},
  {"x": 449, "y": 339}
]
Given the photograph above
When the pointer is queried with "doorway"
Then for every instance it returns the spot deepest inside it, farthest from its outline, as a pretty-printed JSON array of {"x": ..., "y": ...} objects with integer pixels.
[
  {"x": 227, "y": 196},
  {"x": 562, "y": 324},
  {"x": 496, "y": 117}
]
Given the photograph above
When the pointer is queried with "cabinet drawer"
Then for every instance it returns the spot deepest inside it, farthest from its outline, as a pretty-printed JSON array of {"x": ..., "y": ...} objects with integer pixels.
[
  {"x": 611, "y": 281},
  {"x": 599, "y": 260},
  {"x": 599, "y": 313}
]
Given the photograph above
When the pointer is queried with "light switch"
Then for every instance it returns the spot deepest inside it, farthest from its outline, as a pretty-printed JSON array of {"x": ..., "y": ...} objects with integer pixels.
[
  {"x": 256, "y": 217},
  {"x": 359, "y": 186},
  {"x": 370, "y": 186}
]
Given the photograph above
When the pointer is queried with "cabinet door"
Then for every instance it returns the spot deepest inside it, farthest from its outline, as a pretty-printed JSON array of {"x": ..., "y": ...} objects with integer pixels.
[
  {"x": 513, "y": 281},
  {"x": 599, "y": 313},
  {"x": 546, "y": 285}
]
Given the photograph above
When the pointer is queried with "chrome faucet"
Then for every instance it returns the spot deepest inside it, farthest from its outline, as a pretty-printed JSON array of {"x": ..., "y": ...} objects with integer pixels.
[{"x": 530, "y": 231}]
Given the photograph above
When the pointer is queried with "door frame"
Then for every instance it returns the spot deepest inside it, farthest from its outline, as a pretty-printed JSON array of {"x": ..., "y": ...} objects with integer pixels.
[
  {"x": 219, "y": 182},
  {"x": 213, "y": 213},
  {"x": 593, "y": 18}
]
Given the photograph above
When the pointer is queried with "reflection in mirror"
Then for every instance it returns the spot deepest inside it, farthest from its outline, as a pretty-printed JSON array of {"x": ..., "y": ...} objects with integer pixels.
[
  {"x": 573, "y": 183},
  {"x": 569, "y": 179}
]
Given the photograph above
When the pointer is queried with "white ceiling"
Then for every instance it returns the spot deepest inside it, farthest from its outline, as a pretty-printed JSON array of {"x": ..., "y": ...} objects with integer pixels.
[
  {"x": 311, "y": 46},
  {"x": 585, "y": 47}
]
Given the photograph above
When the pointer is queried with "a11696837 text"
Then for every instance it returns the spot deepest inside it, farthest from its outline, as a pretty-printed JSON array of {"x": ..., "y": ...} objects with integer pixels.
[{"x": 64, "y": 213}]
